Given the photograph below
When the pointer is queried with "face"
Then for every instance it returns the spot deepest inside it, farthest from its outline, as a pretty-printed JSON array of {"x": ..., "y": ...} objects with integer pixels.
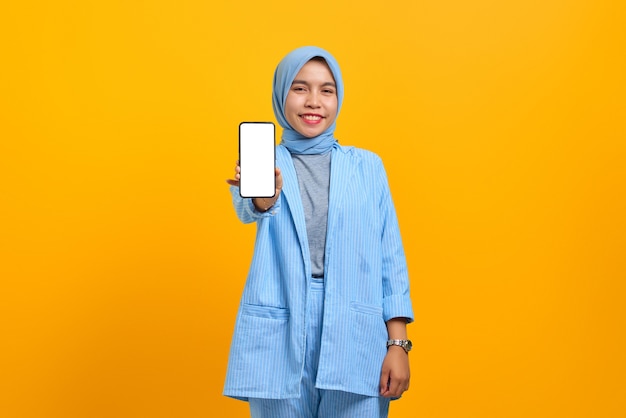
[{"x": 311, "y": 105}]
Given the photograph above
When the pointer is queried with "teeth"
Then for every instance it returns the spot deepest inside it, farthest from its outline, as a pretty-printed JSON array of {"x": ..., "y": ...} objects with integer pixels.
[{"x": 311, "y": 117}]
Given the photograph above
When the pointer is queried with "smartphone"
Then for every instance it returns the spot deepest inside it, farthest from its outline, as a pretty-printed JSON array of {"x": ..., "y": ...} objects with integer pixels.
[{"x": 257, "y": 159}]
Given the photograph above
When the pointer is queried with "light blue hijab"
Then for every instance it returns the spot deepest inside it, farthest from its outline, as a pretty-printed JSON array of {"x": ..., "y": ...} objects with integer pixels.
[{"x": 284, "y": 75}]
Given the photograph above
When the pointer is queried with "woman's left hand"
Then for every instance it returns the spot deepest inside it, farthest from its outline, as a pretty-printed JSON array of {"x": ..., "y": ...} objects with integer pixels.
[{"x": 395, "y": 375}]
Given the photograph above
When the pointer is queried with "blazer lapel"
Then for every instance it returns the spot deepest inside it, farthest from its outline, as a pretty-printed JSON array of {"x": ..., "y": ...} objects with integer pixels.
[
  {"x": 291, "y": 193},
  {"x": 342, "y": 170}
]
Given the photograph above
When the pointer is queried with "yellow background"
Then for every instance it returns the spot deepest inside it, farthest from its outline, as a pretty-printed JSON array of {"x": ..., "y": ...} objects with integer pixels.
[{"x": 502, "y": 127}]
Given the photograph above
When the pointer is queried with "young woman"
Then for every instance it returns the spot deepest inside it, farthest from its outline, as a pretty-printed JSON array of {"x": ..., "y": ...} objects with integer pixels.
[{"x": 321, "y": 328}]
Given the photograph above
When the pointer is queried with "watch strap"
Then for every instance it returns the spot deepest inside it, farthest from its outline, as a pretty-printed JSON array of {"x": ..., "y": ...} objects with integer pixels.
[{"x": 405, "y": 344}]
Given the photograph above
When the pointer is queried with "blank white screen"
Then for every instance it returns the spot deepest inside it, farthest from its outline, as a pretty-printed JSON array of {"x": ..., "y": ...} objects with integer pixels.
[{"x": 256, "y": 159}]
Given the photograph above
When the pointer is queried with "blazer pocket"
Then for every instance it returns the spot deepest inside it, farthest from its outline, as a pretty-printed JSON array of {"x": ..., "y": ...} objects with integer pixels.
[
  {"x": 366, "y": 308},
  {"x": 368, "y": 336},
  {"x": 261, "y": 354},
  {"x": 268, "y": 312}
]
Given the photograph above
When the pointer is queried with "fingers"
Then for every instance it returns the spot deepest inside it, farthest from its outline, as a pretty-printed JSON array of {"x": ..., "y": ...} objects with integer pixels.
[
  {"x": 397, "y": 387},
  {"x": 237, "y": 177},
  {"x": 394, "y": 388},
  {"x": 279, "y": 179},
  {"x": 235, "y": 180}
]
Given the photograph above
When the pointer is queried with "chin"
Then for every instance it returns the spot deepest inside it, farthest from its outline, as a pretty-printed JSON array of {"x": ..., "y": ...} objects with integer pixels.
[
  {"x": 312, "y": 132},
  {"x": 311, "y": 135}
]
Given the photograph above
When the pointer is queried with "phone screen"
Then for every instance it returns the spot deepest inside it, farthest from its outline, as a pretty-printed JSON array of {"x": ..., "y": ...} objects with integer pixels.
[{"x": 257, "y": 159}]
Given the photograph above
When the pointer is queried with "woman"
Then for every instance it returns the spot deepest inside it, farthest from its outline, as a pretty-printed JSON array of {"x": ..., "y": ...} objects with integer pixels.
[{"x": 321, "y": 328}]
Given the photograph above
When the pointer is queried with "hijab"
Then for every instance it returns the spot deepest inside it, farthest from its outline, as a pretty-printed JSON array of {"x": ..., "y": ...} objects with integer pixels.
[{"x": 284, "y": 75}]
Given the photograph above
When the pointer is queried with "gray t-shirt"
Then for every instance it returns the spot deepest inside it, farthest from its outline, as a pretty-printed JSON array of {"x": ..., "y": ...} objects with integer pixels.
[{"x": 314, "y": 179}]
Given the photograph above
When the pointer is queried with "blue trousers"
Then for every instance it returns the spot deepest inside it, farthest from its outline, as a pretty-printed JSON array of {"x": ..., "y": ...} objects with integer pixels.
[{"x": 313, "y": 402}]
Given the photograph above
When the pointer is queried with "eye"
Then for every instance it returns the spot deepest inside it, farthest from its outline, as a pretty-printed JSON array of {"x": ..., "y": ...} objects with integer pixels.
[
  {"x": 328, "y": 91},
  {"x": 298, "y": 89}
]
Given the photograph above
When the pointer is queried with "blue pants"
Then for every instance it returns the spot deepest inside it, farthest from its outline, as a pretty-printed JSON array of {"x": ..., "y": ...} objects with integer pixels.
[{"x": 313, "y": 402}]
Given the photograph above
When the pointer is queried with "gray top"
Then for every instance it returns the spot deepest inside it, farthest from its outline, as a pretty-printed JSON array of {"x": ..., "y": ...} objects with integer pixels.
[{"x": 314, "y": 179}]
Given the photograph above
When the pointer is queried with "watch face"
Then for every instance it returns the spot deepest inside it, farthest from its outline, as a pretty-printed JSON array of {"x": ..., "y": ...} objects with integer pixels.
[{"x": 408, "y": 345}]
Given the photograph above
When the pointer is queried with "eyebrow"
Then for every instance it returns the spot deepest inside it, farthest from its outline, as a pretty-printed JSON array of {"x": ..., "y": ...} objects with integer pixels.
[{"x": 328, "y": 83}]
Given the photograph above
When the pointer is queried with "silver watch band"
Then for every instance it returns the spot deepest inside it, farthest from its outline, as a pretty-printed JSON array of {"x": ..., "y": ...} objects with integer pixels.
[{"x": 405, "y": 344}]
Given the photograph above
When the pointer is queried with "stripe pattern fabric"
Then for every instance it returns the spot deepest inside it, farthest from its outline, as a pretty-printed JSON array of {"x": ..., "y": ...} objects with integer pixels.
[
  {"x": 366, "y": 283},
  {"x": 315, "y": 402}
]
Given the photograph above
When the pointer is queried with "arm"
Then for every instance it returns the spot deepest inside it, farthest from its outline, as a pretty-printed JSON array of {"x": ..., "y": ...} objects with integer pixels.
[{"x": 397, "y": 307}]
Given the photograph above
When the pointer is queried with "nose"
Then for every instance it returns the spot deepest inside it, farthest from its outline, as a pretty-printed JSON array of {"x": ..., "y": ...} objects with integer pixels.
[{"x": 312, "y": 100}]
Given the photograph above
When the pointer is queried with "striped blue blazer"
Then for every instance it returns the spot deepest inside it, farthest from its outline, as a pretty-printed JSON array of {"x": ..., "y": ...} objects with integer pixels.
[{"x": 366, "y": 284}]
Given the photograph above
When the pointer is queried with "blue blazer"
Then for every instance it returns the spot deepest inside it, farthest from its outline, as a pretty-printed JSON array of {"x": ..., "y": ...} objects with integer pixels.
[{"x": 365, "y": 275}]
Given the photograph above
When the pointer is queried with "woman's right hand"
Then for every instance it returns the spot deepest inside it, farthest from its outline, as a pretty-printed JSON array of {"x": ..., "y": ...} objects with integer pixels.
[
  {"x": 262, "y": 204},
  {"x": 235, "y": 181}
]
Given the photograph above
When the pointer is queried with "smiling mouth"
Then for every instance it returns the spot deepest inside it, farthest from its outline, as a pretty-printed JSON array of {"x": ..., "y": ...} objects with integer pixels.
[{"x": 311, "y": 118}]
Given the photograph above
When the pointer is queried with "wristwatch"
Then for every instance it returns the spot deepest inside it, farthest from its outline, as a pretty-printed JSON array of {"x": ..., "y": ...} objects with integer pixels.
[{"x": 406, "y": 344}]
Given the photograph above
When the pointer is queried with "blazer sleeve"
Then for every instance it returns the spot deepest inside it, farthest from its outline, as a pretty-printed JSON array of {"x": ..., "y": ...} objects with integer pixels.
[
  {"x": 245, "y": 209},
  {"x": 396, "y": 297}
]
